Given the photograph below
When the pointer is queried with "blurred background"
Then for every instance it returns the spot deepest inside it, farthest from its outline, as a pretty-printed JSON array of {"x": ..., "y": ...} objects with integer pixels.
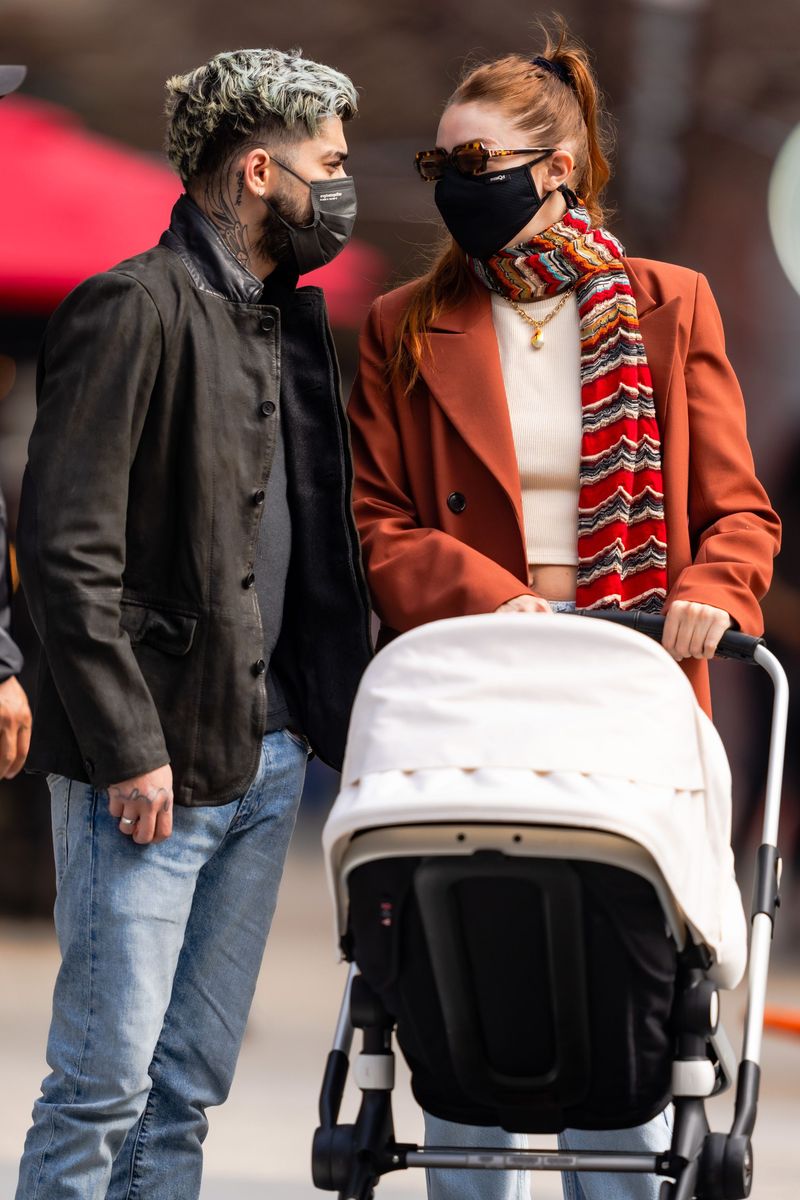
[{"x": 706, "y": 97}]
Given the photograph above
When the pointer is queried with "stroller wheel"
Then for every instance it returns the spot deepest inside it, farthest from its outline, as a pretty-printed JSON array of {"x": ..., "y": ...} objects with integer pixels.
[
  {"x": 726, "y": 1169},
  {"x": 332, "y": 1157},
  {"x": 738, "y": 1168}
]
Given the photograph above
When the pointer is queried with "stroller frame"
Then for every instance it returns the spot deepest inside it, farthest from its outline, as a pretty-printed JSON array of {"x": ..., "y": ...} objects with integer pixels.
[{"x": 351, "y": 1158}]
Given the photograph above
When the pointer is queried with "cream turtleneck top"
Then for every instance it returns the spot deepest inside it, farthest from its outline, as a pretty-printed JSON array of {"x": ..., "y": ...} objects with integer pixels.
[{"x": 543, "y": 390}]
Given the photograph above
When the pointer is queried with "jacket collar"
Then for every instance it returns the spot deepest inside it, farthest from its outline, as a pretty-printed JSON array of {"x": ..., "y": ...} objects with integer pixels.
[
  {"x": 476, "y": 307},
  {"x": 658, "y": 323},
  {"x": 196, "y": 241}
]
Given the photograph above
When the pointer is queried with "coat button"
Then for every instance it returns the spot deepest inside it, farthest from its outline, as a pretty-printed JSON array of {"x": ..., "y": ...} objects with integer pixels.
[
  {"x": 267, "y": 408},
  {"x": 259, "y": 667},
  {"x": 457, "y": 502},
  {"x": 87, "y": 762},
  {"x": 248, "y": 580},
  {"x": 259, "y": 497},
  {"x": 268, "y": 324}
]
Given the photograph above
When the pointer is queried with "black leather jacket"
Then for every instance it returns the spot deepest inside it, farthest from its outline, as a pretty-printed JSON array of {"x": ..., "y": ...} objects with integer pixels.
[{"x": 137, "y": 522}]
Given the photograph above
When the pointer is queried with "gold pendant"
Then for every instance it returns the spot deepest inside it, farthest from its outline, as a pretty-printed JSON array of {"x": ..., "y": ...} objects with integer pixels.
[{"x": 537, "y": 340}]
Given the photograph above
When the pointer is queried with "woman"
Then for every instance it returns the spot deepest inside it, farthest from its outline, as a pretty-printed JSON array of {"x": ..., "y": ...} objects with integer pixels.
[{"x": 543, "y": 423}]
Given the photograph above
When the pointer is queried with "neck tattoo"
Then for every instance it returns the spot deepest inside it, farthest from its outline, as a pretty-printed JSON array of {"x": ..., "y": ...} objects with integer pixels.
[{"x": 222, "y": 198}]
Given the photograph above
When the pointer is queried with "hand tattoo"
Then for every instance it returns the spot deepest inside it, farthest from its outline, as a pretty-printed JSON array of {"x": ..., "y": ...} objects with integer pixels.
[{"x": 136, "y": 794}]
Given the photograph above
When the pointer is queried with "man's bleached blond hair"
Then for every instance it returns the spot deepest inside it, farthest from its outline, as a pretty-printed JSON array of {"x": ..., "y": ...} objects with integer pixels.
[{"x": 245, "y": 94}]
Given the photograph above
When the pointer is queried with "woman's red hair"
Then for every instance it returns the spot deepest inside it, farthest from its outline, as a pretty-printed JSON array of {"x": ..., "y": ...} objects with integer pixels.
[{"x": 545, "y": 109}]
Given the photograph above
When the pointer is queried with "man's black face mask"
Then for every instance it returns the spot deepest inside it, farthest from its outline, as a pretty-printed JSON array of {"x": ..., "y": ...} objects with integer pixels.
[{"x": 333, "y": 215}]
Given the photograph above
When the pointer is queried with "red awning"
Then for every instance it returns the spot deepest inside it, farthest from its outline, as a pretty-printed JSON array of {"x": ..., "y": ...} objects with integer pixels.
[{"x": 73, "y": 203}]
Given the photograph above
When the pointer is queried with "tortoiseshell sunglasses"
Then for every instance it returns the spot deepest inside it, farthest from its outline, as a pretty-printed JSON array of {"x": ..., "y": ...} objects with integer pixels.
[{"x": 470, "y": 159}]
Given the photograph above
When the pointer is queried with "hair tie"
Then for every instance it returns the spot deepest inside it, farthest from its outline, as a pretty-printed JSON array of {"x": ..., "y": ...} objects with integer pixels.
[{"x": 555, "y": 68}]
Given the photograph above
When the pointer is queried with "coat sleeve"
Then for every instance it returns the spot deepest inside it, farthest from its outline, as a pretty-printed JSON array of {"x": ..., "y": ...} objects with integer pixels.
[
  {"x": 415, "y": 573},
  {"x": 735, "y": 532},
  {"x": 97, "y": 367}
]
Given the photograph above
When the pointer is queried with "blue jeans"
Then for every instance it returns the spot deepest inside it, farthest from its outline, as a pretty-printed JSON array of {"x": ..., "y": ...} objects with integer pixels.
[
  {"x": 161, "y": 947},
  {"x": 652, "y": 1138}
]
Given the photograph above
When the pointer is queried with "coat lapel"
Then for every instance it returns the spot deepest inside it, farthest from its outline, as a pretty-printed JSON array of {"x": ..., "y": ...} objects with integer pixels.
[
  {"x": 462, "y": 370},
  {"x": 658, "y": 324}
]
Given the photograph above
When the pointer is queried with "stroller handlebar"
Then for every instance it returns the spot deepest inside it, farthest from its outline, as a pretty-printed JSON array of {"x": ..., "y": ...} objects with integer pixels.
[{"x": 735, "y": 645}]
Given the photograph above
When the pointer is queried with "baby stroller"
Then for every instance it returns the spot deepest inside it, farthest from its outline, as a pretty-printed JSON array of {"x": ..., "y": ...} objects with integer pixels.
[{"x": 531, "y": 869}]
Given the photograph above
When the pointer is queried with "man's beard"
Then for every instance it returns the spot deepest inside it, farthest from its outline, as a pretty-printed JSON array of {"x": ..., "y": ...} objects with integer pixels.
[{"x": 273, "y": 241}]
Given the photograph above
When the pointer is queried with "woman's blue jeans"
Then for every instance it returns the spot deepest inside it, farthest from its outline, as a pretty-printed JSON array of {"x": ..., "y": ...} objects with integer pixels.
[
  {"x": 161, "y": 947},
  {"x": 652, "y": 1138}
]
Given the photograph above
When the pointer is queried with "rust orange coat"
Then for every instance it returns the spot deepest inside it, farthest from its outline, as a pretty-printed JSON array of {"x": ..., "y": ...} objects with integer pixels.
[{"x": 452, "y": 433}]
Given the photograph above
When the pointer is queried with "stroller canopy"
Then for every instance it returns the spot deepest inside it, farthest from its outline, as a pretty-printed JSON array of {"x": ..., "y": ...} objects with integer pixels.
[{"x": 547, "y": 720}]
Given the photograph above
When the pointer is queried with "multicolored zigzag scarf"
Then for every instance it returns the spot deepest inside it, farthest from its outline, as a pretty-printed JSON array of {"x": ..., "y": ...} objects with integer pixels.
[{"x": 622, "y": 542}]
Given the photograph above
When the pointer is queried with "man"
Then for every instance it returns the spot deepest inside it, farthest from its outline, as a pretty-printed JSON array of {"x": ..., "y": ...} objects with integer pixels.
[
  {"x": 15, "y": 715},
  {"x": 193, "y": 570}
]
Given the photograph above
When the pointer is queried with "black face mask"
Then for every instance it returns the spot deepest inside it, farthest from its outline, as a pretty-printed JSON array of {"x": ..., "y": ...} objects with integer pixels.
[
  {"x": 485, "y": 212},
  {"x": 333, "y": 207}
]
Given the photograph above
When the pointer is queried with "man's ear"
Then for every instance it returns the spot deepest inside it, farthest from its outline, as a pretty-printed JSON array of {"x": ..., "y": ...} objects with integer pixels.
[{"x": 255, "y": 171}]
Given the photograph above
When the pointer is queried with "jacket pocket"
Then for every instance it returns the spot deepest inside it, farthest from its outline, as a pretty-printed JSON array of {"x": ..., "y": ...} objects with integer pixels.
[{"x": 163, "y": 628}]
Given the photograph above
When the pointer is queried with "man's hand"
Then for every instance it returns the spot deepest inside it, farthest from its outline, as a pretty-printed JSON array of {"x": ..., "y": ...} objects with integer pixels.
[
  {"x": 525, "y": 604},
  {"x": 693, "y": 630},
  {"x": 15, "y": 728},
  {"x": 144, "y": 805}
]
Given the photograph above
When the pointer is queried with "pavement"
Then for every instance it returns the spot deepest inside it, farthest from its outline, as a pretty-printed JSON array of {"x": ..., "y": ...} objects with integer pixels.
[{"x": 258, "y": 1145}]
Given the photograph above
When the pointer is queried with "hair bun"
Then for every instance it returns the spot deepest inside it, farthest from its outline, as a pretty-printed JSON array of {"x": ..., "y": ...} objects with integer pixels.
[{"x": 555, "y": 68}]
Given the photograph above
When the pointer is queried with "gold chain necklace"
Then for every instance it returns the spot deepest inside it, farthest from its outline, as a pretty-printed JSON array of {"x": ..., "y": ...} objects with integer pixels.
[{"x": 537, "y": 339}]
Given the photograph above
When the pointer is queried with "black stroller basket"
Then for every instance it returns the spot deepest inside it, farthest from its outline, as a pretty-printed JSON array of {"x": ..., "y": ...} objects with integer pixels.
[{"x": 503, "y": 1010}]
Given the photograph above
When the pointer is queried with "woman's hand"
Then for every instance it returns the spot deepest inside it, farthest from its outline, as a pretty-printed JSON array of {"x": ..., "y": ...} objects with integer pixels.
[
  {"x": 524, "y": 604},
  {"x": 693, "y": 630}
]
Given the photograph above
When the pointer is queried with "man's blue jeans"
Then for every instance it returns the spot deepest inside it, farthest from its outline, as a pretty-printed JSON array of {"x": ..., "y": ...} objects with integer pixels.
[
  {"x": 652, "y": 1138},
  {"x": 161, "y": 947}
]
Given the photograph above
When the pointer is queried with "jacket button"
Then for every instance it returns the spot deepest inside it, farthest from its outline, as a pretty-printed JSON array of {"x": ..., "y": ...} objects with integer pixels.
[
  {"x": 259, "y": 497},
  {"x": 259, "y": 667},
  {"x": 87, "y": 762},
  {"x": 267, "y": 408},
  {"x": 248, "y": 580},
  {"x": 268, "y": 324},
  {"x": 457, "y": 502}
]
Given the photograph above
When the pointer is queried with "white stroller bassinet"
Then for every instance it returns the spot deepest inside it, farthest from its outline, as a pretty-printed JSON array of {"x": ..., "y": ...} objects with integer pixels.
[
  {"x": 562, "y": 722},
  {"x": 531, "y": 867}
]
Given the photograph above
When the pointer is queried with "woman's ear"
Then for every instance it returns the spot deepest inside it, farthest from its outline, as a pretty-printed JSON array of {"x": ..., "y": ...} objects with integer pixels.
[{"x": 559, "y": 168}]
